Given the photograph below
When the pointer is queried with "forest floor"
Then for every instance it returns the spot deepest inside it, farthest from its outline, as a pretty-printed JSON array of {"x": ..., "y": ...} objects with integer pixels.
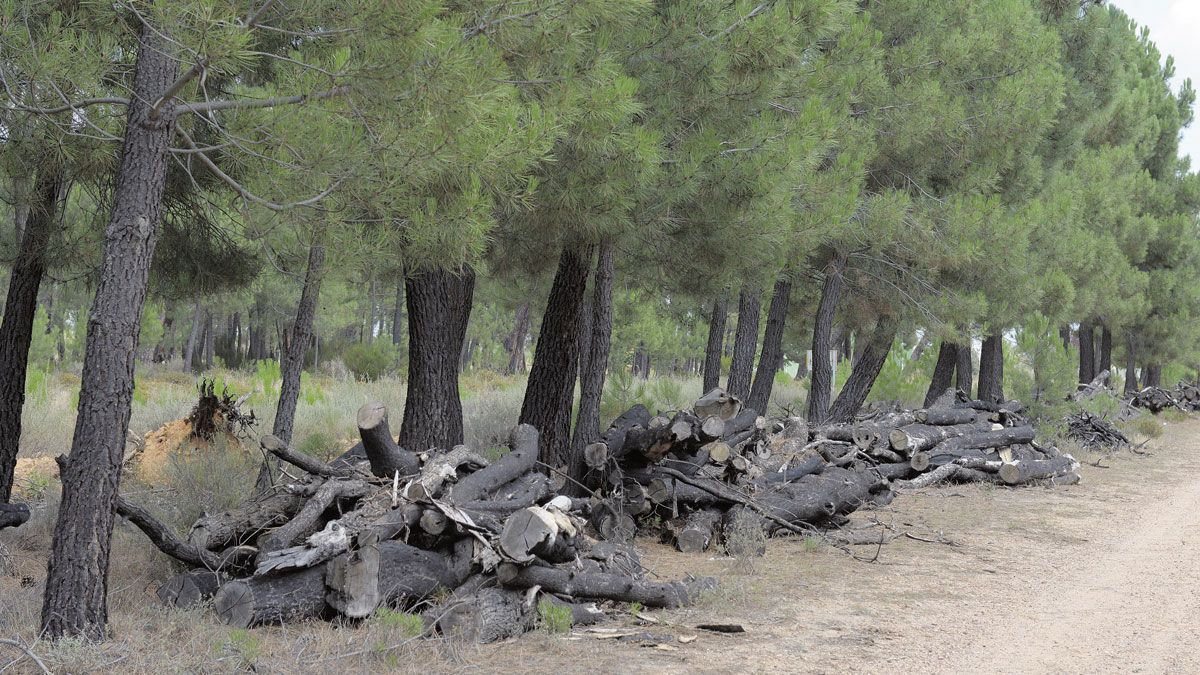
[{"x": 1099, "y": 577}]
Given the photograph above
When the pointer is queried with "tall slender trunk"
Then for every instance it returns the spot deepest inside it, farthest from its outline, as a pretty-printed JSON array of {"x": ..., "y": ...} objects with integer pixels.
[
  {"x": 206, "y": 351},
  {"x": 964, "y": 369},
  {"x": 20, "y": 308},
  {"x": 820, "y": 388},
  {"x": 439, "y": 308},
  {"x": 551, "y": 388},
  {"x": 1131, "y": 378},
  {"x": 371, "y": 318},
  {"x": 584, "y": 345},
  {"x": 1087, "y": 354},
  {"x": 515, "y": 342},
  {"x": 189, "y": 349},
  {"x": 858, "y": 386},
  {"x": 1105, "y": 356},
  {"x": 296, "y": 340},
  {"x": 1064, "y": 333},
  {"x": 772, "y": 351},
  {"x": 745, "y": 343},
  {"x": 991, "y": 368},
  {"x": 593, "y": 369},
  {"x": 398, "y": 315},
  {"x": 802, "y": 367},
  {"x": 162, "y": 350},
  {"x": 943, "y": 371},
  {"x": 716, "y": 340},
  {"x": 75, "y": 601}
]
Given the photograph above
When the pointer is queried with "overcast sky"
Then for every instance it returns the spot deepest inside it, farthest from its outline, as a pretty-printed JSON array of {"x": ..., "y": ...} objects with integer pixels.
[{"x": 1175, "y": 28}]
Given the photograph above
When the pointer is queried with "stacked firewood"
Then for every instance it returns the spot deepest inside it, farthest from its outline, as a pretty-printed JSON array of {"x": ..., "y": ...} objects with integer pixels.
[
  {"x": 1185, "y": 397},
  {"x": 475, "y": 545}
]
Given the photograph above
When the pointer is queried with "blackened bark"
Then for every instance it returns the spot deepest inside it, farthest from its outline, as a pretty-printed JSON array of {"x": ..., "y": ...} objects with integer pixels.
[
  {"x": 594, "y": 367},
  {"x": 1104, "y": 358},
  {"x": 515, "y": 342},
  {"x": 991, "y": 369},
  {"x": 1087, "y": 355},
  {"x": 20, "y": 308},
  {"x": 189, "y": 349},
  {"x": 1131, "y": 379},
  {"x": 858, "y": 386},
  {"x": 716, "y": 340},
  {"x": 820, "y": 388},
  {"x": 745, "y": 342},
  {"x": 551, "y": 388},
  {"x": 77, "y": 577},
  {"x": 943, "y": 371},
  {"x": 772, "y": 351},
  {"x": 964, "y": 370},
  {"x": 1153, "y": 375},
  {"x": 439, "y": 307},
  {"x": 586, "y": 316},
  {"x": 1064, "y": 332},
  {"x": 296, "y": 340},
  {"x": 398, "y": 315}
]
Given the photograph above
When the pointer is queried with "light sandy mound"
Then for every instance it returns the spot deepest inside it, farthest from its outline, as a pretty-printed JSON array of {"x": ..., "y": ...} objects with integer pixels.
[{"x": 172, "y": 440}]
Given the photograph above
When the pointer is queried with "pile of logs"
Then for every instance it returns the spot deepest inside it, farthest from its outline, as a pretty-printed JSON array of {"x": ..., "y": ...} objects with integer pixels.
[
  {"x": 475, "y": 545},
  {"x": 1094, "y": 432},
  {"x": 1184, "y": 396}
]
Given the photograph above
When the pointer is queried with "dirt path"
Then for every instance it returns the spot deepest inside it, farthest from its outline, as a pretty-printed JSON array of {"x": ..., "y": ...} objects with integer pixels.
[{"x": 1099, "y": 577}]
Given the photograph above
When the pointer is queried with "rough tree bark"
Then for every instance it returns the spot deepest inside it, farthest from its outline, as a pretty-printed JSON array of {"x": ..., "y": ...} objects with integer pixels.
[
  {"x": 515, "y": 342},
  {"x": 551, "y": 388},
  {"x": 75, "y": 602},
  {"x": 1152, "y": 374},
  {"x": 863, "y": 376},
  {"x": 716, "y": 340},
  {"x": 591, "y": 376},
  {"x": 1131, "y": 379},
  {"x": 821, "y": 385},
  {"x": 20, "y": 307},
  {"x": 943, "y": 371},
  {"x": 772, "y": 350},
  {"x": 296, "y": 342},
  {"x": 1104, "y": 358},
  {"x": 991, "y": 369},
  {"x": 1087, "y": 354},
  {"x": 964, "y": 370},
  {"x": 745, "y": 343},
  {"x": 439, "y": 307}
]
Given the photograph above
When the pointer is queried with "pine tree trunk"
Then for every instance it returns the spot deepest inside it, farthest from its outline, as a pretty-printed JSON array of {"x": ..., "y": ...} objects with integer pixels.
[
  {"x": 371, "y": 319},
  {"x": 515, "y": 342},
  {"x": 862, "y": 378},
  {"x": 162, "y": 350},
  {"x": 821, "y": 386},
  {"x": 1153, "y": 375},
  {"x": 716, "y": 340},
  {"x": 296, "y": 341},
  {"x": 20, "y": 308},
  {"x": 964, "y": 370},
  {"x": 802, "y": 368},
  {"x": 943, "y": 371},
  {"x": 1131, "y": 378},
  {"x": 991, "y": 369},
  {"x": 189, "y": 349},
  {"x": 551, "y": 388},
  {"x": 439, "y": 308},
  {"x": 75, "y": 601},
  {"x": 398, "y": 315},
  {"x": 1105, "y": 356},
  {"x": 1087, "y": 355},
  {"x": 584, "y": 347},
  {"x": 1064, "y": 332},
  {"x": 772, "y": 351},
  {"x": 594, "y": 367},
  {"x": 745, "y": 342},
  {"x": 209, "y": 334}
]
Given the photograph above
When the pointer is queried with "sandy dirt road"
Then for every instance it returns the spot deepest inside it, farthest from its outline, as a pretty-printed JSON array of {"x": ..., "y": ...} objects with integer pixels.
[{"x": 1096, "y": 578}]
